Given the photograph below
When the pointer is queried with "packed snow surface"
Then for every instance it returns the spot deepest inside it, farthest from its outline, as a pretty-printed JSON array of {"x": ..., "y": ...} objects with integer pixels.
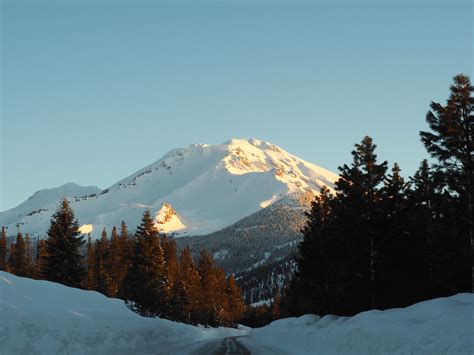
[
  {"x": 41, "y": 317},
  {"x": 438, "y": 326},
  {"x": 208, "y": 186}
]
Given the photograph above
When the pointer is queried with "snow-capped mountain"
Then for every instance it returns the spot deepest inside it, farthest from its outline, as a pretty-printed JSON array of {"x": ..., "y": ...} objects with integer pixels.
[
  {"x": 195, "y": 190},
  {"x": 39, "y": 207},
  {"x": 167, "y": 219}
]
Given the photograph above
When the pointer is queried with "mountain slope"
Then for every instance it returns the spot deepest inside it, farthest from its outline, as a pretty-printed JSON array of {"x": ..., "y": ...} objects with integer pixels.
[
  {"x": 258, "y": 249},
  {"x": 37, "y": 209},
  {"x": 267, "y": 235},
  {"x": 208, "y": 187}
]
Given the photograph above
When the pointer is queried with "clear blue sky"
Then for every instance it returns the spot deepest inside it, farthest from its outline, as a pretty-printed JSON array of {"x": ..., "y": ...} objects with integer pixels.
[{"x": 92, "y": 92}]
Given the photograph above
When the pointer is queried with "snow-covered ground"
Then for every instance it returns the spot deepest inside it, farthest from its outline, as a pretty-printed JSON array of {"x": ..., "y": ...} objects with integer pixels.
[
  {"x": 41, "y": 317},
  {"x": 439, "y": 326}
]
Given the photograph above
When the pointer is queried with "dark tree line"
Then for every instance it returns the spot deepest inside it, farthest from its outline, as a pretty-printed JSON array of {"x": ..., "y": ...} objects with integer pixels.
[
  {"x": 142, "y": 269},
  {"x": 382, "y": 242},
  {"x": 18, "y": 256}
]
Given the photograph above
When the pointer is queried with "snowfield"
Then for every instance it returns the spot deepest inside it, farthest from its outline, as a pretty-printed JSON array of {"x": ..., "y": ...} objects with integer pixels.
[
  {"x": 190, "y": 191},
  {"x": 439, "y": 326},
  {"x": 41, "y": 317}
]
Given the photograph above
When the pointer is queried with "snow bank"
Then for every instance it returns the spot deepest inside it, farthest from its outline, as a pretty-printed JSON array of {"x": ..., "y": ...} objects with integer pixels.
[
  {"x": 439, "y": 326},
  {"x": 41, "y": 317}
]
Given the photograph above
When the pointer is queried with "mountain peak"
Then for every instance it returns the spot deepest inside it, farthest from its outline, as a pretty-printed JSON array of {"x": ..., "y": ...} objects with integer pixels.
[
  {"x": 193, "y": 190},
  {"x": 167, "y": 219},
  {"x": 253, "y": 142}
]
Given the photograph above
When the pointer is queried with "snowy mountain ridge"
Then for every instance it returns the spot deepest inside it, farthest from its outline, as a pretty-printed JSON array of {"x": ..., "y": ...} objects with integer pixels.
[{"x": 190, "y": 191}]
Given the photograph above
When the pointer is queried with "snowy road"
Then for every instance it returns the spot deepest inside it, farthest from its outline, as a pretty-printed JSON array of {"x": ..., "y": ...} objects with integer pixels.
[{"x": 226, "y": 346}]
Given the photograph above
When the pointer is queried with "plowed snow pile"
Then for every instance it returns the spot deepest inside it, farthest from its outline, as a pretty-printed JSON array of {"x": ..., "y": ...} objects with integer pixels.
[
  {"x": 41, "y": 317},
  {"x": 438, "y": 326}
]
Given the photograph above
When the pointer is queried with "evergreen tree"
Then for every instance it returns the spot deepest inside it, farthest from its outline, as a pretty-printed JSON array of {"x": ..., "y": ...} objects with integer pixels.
[
  {"x": 451, "y": 141},
  {"x": 188, "y": 289},
  {"x": 127, "y": 248},
  {"x": 29, "y": 265},
  {"x": 221, "y": 312},
  {"x": 172, "y": 273},
  {"x": 11, "y": 258},
  {"x": 209, "y": 288},
  {"x": 116, "y": 266},
  {"x": 123, "y": 231},
  {"x": 90, "y": 262},
  {"x": 358, "y": 191},
  {"x": 314, "y": 286},
  {"x": 40, "y": 257},
  {"x": 146, "y": 279},
  {"x": 394, "y": 190},
  {"x": 339, "y": 261},
  {"x": 89, "y": 281},
  {"x": 433, "y": 224},
  {"x": 235, "y": 303},
  {"x": 3, "y": 250},
  {"x": 422, "y": 217},
  {"x": 101, "y": 253},
  {"x": 396, "y": 279},
  {"x": 18, "y": 258},
  {"x": 176, "y": 303},
  {"x": 63, "y": 260}
]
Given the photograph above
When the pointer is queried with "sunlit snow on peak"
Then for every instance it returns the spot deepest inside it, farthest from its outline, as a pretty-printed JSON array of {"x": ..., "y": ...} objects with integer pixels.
[
  {"x": 210, "y": 186},
  {"x": 86, "y": 228},
  {"x": 167, "y": 220}
]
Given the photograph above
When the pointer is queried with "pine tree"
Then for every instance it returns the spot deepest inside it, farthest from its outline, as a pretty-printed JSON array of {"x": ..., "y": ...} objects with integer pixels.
[
  {"x": 311, "y": 290},
  {"x": 176, "y": 302},
  {"x": 339, "y": 261},
  {"x": 146, "y": 279},
  {"x": 40, "y": 257},
  {"x": 63, "y": 261},
  {"x": 101, "y": 276},
  {"x": 451, "y": 142},
  {"x": 89, "y": 282},
  {"x": 188, "y": 288},
  {"x": 172, "y": 273},
  {"x": 3, "y": 250},
  {"x": 394, "y": 188},
  {"x": 235, "y": 303},
  {"x": 358, "y": 191},
  {"x": 209, "y": 289},
  {"x": 395, "y": 240},
  {"x": 123, "y": 231},
  {"x": 11, "y": 258},
  {"x": 29, "y": 265},
  {"x": 433, "y": 223},
  {"x": 18, "y": 258},
  {"x": 127, "y": 248},
  {"x": 116, "y": 265},
  {"x": 422, "y": 220},
  {"x": 221, "y": 315}
]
